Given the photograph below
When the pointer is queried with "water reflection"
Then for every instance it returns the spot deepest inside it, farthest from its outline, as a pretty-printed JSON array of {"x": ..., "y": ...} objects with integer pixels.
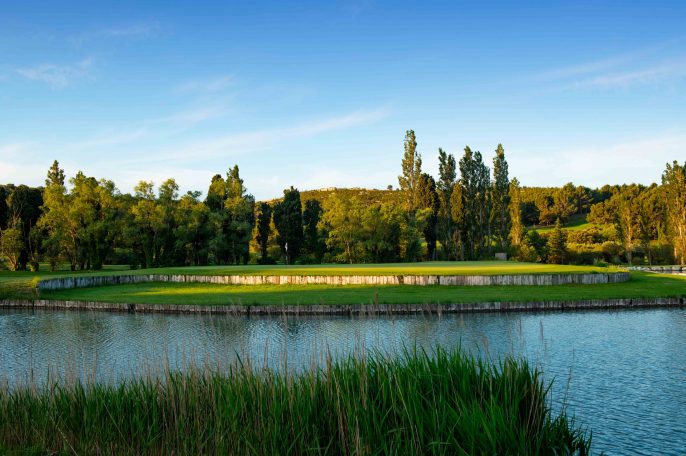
[{"x": 623, "y": 373}]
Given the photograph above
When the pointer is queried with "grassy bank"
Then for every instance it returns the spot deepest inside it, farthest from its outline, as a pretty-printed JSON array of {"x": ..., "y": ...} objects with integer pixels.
[
  {"x": 641, "y": 285},
  {"x": 447, "y": 403}
]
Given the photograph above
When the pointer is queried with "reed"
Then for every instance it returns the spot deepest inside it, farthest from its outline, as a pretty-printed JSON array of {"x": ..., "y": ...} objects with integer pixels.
[{"x": 444, "y": 402}]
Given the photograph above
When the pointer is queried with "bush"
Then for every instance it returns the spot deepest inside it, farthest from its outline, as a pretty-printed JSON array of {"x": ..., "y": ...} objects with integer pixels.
[{"x": 585, "y": 253}]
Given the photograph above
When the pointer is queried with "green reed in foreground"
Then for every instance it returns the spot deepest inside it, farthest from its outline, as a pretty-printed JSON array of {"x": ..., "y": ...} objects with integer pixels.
[{"x": 418, "y": 403}]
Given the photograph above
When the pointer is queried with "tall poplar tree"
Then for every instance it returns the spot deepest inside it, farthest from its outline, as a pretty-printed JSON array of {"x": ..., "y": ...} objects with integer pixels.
[
  {"x": 517, "y": 230},
  {"x": 412, "y": 171},
  {"x": 447, "y": 172},
  {"x": 500, "y": 213}
]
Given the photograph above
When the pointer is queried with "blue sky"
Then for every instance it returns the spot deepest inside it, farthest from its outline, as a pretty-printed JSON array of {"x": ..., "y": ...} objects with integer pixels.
[{"x": 318, "y": 94}]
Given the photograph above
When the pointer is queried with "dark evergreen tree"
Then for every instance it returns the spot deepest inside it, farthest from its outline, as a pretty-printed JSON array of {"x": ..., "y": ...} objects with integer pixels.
[
  {"x": 314, "y": 244},
  {"x": 264, "y": 218},
  {"x": 289, "y": 224},
  {"x": 428, "y": 199}
]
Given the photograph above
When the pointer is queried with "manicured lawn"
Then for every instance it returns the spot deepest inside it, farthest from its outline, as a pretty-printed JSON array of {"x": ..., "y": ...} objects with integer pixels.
[
  {"x": 20, "y": 285},
  {"x": 641, "y": 285},
  {"x": 425, "y": 268}
]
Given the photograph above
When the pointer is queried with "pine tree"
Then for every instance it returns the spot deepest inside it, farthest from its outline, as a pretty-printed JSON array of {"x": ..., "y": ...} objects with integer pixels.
[
  {"x": 55, "y": 175},
  {"x": 557, "y": 245}
]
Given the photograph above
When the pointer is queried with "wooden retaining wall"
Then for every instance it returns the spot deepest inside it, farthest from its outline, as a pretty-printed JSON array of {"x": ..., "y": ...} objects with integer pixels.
[
  {"x": 355, "y": 310},
  {"x": 455, "y": 280}
]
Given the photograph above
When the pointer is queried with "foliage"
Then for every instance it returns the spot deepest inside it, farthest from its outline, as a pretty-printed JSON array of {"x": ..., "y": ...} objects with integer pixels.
[
  {"x": 500, "y": 199},
  {"x": 557, "y": 245},
  {"x": 674, "y": 183},
  {"x": 411, "y": 172},
  {"x": 289, "y": 224}
]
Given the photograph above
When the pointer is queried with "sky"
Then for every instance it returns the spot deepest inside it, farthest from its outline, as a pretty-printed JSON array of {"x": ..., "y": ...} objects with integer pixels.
[{"x": 320, "y": 94}]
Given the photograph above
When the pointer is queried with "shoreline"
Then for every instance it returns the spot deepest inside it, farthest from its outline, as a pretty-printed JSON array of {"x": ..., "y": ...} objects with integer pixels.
[{"x": 352, "y": 309}]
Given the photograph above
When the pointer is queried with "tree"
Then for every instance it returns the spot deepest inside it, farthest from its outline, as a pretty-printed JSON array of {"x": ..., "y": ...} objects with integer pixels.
[
  {"x": 517, "y": 230},
  {"x": 674, "y": 184},
  {"x": 167, "y": 202},
  {"x": 500, "y": 192},
  {"x": 232, "y": 217},
  {"x": 54, "y": 218},
  {"x": 428, "y": 200},
  {"x": 447, "y": 170},
  {"x": 192, "y": 232},
  {"x": 239, "y": 208},
  {"x": 12, "y": 246},
  {"x": 381, "y": 227},
  {"x": 474, "y": 191},
  {"x": 626, "y": 218},
  {"x": 557, "y": 245},
  {"x": 147, "y": 223},
  {"x": 264, "y": 218},
  {"x": 289, "y": 224},
  {"x": 565, "y": 202},
  {"x": 24, "y": 209},
  {"x": 55, "y": 175},
  {"x": 533, "y": 248},
  {"x": 412, "y": 171},
  {"x": 313, "y": 245},
  {"x": 343, "y": 222}
]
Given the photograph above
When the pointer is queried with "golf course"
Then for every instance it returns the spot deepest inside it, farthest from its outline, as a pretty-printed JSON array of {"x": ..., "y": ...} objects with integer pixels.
[{"x": 187, "y": 290}]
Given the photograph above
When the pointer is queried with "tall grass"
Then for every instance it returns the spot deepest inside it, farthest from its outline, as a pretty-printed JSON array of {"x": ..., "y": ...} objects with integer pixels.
[{"x": 446, "y": 402}]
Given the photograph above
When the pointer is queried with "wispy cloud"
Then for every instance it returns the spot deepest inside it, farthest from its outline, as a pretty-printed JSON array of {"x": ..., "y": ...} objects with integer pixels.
[
  {"x": 657, "y": 74},
  {"x": 57, "y": 76},
  {"x": 657, "y": 64},
  {"x": 260, "y": 140}
]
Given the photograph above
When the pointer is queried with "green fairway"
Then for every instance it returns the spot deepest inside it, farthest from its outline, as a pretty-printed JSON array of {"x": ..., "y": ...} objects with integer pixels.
[
  {"x": 641, "y": 285},
  {"x": 20, "y": 284}
]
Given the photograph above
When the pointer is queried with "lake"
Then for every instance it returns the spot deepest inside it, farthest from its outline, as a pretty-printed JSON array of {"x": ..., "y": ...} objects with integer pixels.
[{"x": 622, "y": 373}]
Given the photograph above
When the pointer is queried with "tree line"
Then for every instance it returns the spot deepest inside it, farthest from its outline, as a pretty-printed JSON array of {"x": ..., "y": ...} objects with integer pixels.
[{"x": 468, "y": 211}]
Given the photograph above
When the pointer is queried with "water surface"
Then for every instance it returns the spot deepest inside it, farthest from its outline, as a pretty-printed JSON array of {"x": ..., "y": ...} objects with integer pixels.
[{"x": 622, "y": 373}]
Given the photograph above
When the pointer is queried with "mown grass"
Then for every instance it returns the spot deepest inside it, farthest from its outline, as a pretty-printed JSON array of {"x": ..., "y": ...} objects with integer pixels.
[
  {"x": 21, "y": 284},
  {"x": 439, "y": 404},
  {"x": 575, "y": 222},
  {"x": 641, "y": 285}
]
